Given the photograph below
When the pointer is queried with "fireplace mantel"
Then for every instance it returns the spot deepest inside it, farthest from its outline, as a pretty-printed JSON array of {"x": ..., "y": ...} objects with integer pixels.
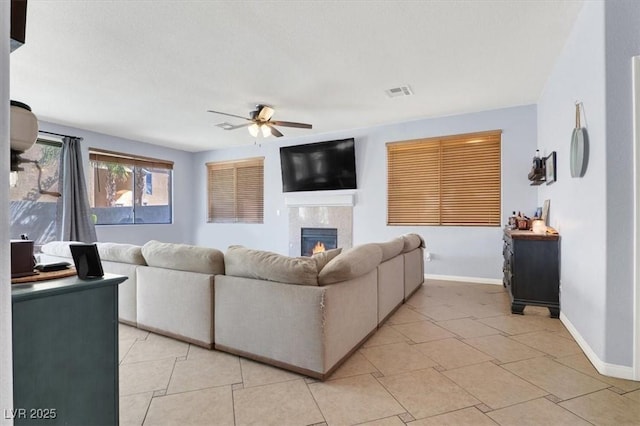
[{"x": 321, "y": 199}]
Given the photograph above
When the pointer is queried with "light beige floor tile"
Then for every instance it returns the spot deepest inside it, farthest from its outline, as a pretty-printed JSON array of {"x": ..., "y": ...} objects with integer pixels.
[
  {"x": 354, "y": 400},
  {"x": 423, "y": 300},
  {"x": 258, "y": 374},
  {"x": 145, "y": 376},
  {"x": 124, "y": 345},
  {"x": 427, "y": 393},
  {"x": 288, "y": 403},
  {"x": 466, "y": 417},
  {"x": 405, "y": 315},
  {"x": 441, "y": 313},
  {"x": 513, "y": 324},
  {"x": 452, "y": 353},
  {"x": 581, "y": 363},
  {"x": 555, "y": 378},
  {"x": 502, "y": 348},
  {"x": 397, "y": 358},
  {"x": 385, "y": 335},
  {"x": 354, "y": 366},
  {"x": 202, "y": 372},
  {"x": 478, "y": 310},
  {"x": 466, "y": 327},
  {"x": 548, "y": 342},
  {"x": 388, "y": 421},
  {"x": 201, "y": 407},
  {"x": 127, "y": 332},
  {"x": 155, "y": 347},
  {"x": 133, "y": 408},
  {"x": 605, "y": 408},
  {"x": 535, "y": 413},
  {"x": 422, "y": 331},
  {"x": 635, "y": 395},
  {"x": 493, "y": 385}
]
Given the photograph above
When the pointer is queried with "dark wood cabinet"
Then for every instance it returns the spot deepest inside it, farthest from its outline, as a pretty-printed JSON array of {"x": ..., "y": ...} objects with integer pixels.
[
  {"x": 65, "y": 351},
  {"x": 531, "y": 271}
]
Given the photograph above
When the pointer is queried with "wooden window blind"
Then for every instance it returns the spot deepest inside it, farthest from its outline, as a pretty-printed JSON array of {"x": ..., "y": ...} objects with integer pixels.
[
  {"x": 452, "y": 180},
  {"x": 236, "y": 191}
]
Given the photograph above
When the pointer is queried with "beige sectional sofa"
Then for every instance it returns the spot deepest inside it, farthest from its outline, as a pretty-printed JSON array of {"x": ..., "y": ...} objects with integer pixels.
[
  {"x": 306, "y": 314},
  {"x": 169, "y": 289}
]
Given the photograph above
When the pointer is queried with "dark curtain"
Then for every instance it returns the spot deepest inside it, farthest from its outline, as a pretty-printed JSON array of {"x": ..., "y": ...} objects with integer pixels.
[{"x": 74, "y": 221}]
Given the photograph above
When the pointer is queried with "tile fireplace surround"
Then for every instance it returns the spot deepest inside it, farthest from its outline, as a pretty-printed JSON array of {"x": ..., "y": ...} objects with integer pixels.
[{"x": 320, "y": 211}]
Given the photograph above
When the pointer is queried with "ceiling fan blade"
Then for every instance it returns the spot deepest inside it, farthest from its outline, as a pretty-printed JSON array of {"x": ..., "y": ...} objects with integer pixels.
[
  {"x": 275, "y": 132},
  {"x": 292, "y": 124},
  {"x": 230, "y": 115},
  {"x": 265, "y": 113},
  {"x": 239, "y": 126}
]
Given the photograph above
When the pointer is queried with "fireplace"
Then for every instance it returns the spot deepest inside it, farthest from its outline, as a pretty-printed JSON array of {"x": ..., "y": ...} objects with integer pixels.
[{"x": 314, "y": 240}]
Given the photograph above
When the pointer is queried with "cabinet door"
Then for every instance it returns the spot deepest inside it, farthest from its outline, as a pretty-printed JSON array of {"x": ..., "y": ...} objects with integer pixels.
[{"x": 65, "y": 358}]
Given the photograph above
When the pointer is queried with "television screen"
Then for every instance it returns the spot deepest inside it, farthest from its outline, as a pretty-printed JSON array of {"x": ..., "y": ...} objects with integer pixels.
[{"x": 319, "y": 166}]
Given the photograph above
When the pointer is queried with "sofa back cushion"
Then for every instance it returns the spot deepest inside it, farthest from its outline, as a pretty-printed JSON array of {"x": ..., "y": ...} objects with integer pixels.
[
  {"x": 184, "y": 257},
  {"x": 324, "y": 257},
  {"x": 123, "y": 253},
  {"x": 113, "y": 252},
  {"x": 391, "y": 248},
  {"x": 58, "y": 248},
  {"x": 351, "y": 264},
  {"x": 265, "y": 265},
  {"x": 412, "y": 242}
]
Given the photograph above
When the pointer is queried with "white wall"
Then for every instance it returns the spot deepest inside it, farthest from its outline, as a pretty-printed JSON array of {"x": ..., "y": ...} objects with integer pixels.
[
  {"x": 180, "y": 230},
  {"x": 594, "y": 213},
  {"x": 6, "y": 383},
  {"x": 622, "y": 20},
  {"x": 461, "y": 251}
]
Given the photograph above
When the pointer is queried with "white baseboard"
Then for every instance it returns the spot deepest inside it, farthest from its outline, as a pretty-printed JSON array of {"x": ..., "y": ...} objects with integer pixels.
[
  {"x": 477, "y": 280},
  {"x": 604, "y": 368}
]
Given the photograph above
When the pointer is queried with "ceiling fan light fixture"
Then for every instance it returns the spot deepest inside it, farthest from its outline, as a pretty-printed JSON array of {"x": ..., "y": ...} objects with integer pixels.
[
  {"x": 254, "y": 129},
  {"x": 266, "y": 130}
]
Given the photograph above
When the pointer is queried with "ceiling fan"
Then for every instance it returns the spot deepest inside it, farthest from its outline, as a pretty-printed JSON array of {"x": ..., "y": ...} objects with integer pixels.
[{"x": 259, "y": 120}]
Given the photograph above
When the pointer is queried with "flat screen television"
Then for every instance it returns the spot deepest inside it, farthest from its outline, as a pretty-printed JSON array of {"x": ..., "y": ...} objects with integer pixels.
[{"x": 319, "y": 166}]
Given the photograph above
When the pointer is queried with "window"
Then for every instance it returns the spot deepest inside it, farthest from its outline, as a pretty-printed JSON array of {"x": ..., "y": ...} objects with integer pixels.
[
  {"x": 125, "y": 189},
  {"x": 453, "y": 180},
  {"x": 31, "y": 212},
  {"x": 235, "y": 190}
]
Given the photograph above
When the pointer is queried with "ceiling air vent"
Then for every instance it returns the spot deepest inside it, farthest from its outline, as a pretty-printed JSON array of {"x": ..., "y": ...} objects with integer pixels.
[
  {"x": 225, "y": 126},
  {"x": 399, "y": 91}
]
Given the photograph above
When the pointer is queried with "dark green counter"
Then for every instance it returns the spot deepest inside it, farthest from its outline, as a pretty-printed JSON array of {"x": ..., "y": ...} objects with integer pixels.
[{"x": 65, "y": 351}]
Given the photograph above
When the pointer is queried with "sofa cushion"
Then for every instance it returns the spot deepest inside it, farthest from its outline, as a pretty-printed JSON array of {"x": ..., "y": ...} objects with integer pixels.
[
  {"x": 184, "y": 257},
  {"x": 391, "y": 248},
  {"x": 351, "y": 264},
  {"x": 58, "y": 248},
  {"x": 123, "y": 253},
  {"x": 412, "y": 242},
  {"x": 324, "y": 257},
  {"x": 264, "y": 265}
]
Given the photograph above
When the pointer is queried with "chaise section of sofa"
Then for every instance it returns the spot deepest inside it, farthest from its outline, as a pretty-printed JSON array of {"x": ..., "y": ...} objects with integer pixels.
[
  {"x": 175, "y": 291},
  {"x": 121, "y": 259},
  {"x": 289, "y": 314}
]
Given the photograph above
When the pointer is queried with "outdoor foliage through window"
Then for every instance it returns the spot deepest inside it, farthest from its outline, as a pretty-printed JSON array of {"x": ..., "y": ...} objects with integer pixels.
[
  {"x": 125, "y": 189},
  {"x": 32, "y": 213}
]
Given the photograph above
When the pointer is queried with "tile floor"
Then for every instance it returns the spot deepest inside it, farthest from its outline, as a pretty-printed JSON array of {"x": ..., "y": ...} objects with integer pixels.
[{"x": 452, "y": 355}]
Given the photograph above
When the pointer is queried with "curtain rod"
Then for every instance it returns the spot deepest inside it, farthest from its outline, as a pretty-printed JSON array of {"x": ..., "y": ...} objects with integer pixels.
[{"x": 58, "y": 134}]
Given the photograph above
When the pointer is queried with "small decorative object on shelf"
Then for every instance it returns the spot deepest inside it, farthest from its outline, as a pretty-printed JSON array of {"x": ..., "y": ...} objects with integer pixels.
[
  {"x": 537, "y": 175},
  {"x": 550, "y": 168}
]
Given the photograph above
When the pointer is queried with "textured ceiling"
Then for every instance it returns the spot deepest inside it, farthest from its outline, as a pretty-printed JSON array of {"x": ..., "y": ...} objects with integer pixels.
[{"x": 149, "y": 70}]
